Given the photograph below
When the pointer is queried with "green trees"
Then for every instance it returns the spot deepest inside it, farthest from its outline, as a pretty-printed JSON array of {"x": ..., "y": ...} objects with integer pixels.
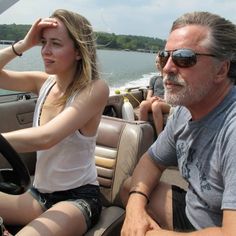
[
  {"x": 13, "y": 32},
  {"x": 128, "y": 42},
  {"x": 104, "y": 40}
]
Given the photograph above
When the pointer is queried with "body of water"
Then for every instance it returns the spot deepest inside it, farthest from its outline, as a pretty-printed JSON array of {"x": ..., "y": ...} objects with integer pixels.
[{"x": 121, "y": 69}]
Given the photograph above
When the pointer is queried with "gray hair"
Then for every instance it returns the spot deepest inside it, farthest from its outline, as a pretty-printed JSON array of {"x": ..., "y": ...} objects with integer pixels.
[{"x": 222, "y": 35}]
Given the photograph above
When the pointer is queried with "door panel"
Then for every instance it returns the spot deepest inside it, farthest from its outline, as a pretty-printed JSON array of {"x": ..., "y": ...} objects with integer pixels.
[{"x": 17, "y": 114}]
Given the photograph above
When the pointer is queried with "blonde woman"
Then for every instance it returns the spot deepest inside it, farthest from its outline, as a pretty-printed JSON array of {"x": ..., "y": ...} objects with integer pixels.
[{"x": 64, "y": 199}]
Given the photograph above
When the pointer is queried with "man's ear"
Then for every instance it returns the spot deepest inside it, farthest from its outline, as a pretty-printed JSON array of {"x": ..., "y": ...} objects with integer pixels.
[{"x": 223, "y": 71}]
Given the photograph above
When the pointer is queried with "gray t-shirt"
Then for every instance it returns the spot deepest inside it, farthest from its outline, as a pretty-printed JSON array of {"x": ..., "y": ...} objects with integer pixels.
[
  {"x": 205, "y": 152},
  {"x": 156, "y": 84}
]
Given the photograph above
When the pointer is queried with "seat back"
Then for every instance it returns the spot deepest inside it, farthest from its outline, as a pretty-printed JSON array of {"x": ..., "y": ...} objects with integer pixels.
[{"x": 119, "y": 146}]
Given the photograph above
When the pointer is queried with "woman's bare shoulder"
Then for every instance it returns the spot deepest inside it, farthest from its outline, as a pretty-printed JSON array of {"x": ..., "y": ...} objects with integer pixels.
[
  {"x": 100, "y": 82},
  {"x": 96, "y": 91},
  {"x": 99, "y": 88}
]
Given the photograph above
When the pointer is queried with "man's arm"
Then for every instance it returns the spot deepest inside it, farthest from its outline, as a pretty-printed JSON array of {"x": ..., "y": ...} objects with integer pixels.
[
  {"x": 228, "y": 228},
  {"x": 145, "y": 177}
]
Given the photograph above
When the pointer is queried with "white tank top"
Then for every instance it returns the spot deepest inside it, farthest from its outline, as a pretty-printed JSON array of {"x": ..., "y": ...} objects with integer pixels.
[{"x": 70, "y": 163}]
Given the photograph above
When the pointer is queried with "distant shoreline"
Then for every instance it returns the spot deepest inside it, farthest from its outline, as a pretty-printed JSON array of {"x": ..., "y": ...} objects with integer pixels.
[
  {"x": 6, "y": 42},
  {"x": 15, "y": 32}
]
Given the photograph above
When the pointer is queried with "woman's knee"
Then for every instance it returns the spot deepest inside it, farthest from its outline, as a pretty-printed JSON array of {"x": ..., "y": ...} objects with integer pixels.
[
  {"x": 145, "y": 106},
  {"x": 156, "y": 105},
  {"x": 156, "y": 109}
]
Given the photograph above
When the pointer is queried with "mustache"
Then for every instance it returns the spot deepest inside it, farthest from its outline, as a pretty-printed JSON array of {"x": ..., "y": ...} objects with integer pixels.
[{"x": 174, "y": 79}]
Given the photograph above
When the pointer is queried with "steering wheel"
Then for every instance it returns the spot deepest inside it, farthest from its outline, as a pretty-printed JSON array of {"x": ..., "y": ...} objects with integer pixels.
[{"x": 15, "y": 180}]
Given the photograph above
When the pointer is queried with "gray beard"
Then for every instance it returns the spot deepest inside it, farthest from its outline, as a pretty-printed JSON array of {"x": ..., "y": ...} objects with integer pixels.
[{"x": 187, "y": 95}]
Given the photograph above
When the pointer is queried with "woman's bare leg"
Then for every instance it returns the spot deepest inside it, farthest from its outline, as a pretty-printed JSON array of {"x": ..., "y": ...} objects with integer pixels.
[
  {"x": 158, "y": 111},
  {"x": 145, "y": 107},
  {"x": 19, "y": 209},
  {"x": 64, "y": 218}
]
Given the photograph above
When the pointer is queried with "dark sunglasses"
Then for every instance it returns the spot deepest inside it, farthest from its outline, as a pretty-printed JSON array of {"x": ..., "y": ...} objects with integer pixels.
[{"x": 181, "y": 57}]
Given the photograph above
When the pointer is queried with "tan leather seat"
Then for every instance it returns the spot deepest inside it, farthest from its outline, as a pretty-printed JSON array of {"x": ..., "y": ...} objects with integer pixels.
[{"x": 120, "y": 144}]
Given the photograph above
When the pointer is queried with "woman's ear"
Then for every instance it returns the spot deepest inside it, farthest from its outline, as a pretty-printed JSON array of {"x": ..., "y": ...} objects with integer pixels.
[{"x": 77, "y": 55}]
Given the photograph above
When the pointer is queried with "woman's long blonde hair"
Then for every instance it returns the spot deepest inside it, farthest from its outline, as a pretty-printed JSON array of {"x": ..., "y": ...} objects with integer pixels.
[{"x": 81, "y": 32}]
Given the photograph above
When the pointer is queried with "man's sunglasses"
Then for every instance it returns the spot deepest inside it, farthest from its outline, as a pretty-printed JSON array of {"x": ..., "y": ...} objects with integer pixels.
[{"x": 181, "y": 57}]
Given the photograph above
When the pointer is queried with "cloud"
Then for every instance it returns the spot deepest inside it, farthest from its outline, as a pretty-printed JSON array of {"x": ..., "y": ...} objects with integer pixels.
[{"x": 135, "y": 17}]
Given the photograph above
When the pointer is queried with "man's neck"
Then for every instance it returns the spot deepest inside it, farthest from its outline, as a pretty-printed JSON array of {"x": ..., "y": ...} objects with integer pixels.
[{"x": 210, "y": 102}]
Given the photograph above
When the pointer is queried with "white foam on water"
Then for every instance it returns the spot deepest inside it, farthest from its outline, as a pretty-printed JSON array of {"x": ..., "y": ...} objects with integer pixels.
[{"x": 142, "y": 82}]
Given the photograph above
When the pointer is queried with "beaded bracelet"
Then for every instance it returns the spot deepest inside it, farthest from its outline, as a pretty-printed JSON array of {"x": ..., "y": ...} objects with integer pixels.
[
  {"x": 141, "y": 193},
  {"x": 13, "y": 49}
]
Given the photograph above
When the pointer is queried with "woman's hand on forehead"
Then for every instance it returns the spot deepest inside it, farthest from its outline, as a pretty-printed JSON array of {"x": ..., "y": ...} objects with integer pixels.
[{"x": 49, "y": 21}]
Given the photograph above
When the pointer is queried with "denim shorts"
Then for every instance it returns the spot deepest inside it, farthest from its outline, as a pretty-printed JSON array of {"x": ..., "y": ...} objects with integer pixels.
[
  {"x": 180, "y": 220},
  {"x": 86, "y": 198}
]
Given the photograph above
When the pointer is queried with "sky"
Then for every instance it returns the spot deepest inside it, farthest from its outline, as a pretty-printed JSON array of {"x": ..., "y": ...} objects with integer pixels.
[{"x": 151, "y": 18}]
